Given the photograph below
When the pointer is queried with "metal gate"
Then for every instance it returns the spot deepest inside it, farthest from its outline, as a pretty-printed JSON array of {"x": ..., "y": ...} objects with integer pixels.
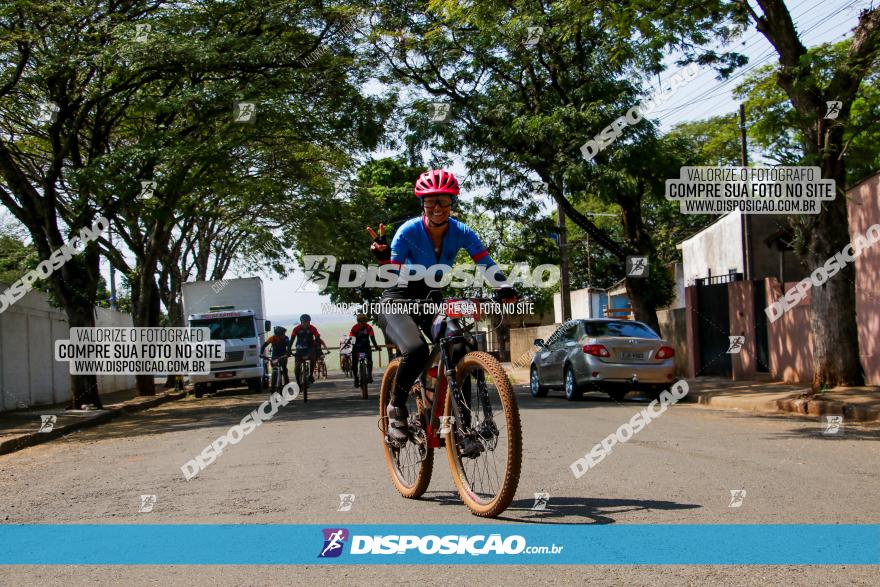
[{"x": 714, "y": 324}]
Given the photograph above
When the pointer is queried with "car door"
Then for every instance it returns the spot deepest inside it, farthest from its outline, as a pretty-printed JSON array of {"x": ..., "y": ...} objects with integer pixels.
[
  {"x": 567, "y": 342},
  {"x": 558, "y": 352},
  {"x": 544, "y": 359}
]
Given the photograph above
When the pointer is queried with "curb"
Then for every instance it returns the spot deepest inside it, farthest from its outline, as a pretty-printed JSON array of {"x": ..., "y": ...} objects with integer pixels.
[
  {"x": 130, "y": 407},
  {"x": 802, "y": 407}
]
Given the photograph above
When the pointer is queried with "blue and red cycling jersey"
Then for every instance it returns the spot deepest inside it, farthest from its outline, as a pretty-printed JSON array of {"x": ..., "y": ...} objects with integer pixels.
[{"x": 412, "y": 245}]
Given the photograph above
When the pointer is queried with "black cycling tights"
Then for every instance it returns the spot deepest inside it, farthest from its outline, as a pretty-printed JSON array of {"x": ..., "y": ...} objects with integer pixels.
[{"x": 405, "y": 331}]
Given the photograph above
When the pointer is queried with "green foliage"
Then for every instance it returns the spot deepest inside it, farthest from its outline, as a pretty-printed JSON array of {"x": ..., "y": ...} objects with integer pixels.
[
  {"x": 778, "y": 129},
  {"x": 16, "y": 259},
  {"x": 381, "y": 192},
  {"x": 714, "y": 141}
]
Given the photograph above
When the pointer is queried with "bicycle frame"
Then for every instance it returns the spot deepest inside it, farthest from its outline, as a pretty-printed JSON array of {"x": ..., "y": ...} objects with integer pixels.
[{"x": 440, "y": 356}]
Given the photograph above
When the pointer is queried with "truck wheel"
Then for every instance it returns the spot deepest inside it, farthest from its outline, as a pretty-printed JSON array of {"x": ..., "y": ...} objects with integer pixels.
[
  {"x": 255, "y": 385},
  {"x": 199, "y": 389}
]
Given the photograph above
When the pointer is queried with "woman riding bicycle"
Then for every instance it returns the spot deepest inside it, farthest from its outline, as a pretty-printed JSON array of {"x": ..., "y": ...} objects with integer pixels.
[{"x": 430, "y": 239}]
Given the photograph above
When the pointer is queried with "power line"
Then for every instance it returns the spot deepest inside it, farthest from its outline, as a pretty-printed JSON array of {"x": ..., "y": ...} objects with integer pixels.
[{"x": 759, "y": 61}]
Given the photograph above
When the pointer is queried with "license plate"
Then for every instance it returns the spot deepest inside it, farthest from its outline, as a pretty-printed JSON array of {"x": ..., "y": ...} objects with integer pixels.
[
  {"x": 633, "y": 355},
  {"x": 226, "y": 375}
]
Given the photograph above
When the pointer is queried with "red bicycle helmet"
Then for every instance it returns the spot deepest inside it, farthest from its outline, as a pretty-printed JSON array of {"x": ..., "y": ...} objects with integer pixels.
[{"x": 436, "y": 182}]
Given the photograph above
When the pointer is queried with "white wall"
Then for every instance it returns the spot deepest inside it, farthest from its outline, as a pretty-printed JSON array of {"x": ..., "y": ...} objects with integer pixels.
[
  {"x": 29, "y": 374},
  {"x": 717, "y": 248},
  {"x": 585, "y": 303}
]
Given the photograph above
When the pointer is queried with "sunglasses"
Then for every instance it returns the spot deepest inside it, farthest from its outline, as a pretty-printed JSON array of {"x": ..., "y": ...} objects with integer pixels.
[{"x": 432, "y": 202}]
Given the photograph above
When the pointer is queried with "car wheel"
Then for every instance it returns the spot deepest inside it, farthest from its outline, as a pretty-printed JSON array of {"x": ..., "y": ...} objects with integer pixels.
[
  {"x": 654, "y": 392},
  {"x": 572, "y": 392},
  {"x": 618, "y": 394},
  {"x": 535, "y": 386}
]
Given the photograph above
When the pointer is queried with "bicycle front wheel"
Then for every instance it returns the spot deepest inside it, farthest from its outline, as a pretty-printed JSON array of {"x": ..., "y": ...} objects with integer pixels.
[
  {"x": 362, "y": 374},
  {"x": 411, "y": 465},
  {"x": 484, "y": 442},
  {"x": 302, "y": 379}
]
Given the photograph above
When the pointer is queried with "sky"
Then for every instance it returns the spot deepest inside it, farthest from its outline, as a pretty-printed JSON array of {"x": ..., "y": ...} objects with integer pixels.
[{"x": 704, "y": 96}]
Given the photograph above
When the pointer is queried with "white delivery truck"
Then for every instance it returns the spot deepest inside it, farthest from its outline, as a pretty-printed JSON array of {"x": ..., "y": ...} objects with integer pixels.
[{"x": 234, "y": 310}]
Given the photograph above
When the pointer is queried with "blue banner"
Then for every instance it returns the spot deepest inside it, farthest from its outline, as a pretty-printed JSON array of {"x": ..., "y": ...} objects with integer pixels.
[{"x": 248, "y": 544}]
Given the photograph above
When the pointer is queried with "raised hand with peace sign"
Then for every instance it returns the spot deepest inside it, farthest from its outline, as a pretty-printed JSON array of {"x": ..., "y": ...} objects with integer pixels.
[{"x": 379, "y": 247}]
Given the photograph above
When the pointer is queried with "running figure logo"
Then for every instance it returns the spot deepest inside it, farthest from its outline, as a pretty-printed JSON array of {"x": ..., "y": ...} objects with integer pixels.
[
  {"x": 833, "y": 109},
  {"x": 737, "y": 496},
  {"x": 439, "y": 111},
  {"x": 47, "y": 423},
  {"x": 736, "y": 344},
  {"x": 346, "y": 500},
  {"x": 833, "y": 425},
  {"x": 334, "y": 540},
  {"x": 244, "y": 112},
  {"x": 147, "y": 503},
  {"x": 541, "y": 500},
  {"x": 636, "y": 266}
]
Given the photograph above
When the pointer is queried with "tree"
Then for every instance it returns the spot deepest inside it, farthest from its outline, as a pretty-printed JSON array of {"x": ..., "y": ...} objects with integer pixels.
[
  {"x": 773, "y": 122},
  {"x": 14, "y": 256},
  {"x": 715, "y": 141},
  {"x": 800, "y": 75},
  {"x": 123, "y": 110},
  {"x": 526, "y": 109},
  {"x": 380, "y": 192}
]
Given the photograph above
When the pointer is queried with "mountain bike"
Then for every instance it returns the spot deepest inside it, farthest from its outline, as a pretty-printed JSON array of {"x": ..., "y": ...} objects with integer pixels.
[
  {"x": 481, "y": 431},
  {"x": 362, "y": 372},
  {"x": 279, "y": 375},
  {"x": 320, "y": 368},
  {"x": 345, "y": 364},
  {"x": 302, "y": 369}
]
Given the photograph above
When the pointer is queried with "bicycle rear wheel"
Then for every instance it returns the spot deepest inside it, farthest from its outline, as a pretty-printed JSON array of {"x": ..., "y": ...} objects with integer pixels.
[
  {"x": 485, "y": 453},
  {"x": 411, "y": 465},
  {"x": 362, "y": 374}
]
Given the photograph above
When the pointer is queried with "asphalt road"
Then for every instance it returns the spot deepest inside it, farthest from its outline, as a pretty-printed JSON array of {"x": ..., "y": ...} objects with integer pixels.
[{"x": 292, "y": 469}]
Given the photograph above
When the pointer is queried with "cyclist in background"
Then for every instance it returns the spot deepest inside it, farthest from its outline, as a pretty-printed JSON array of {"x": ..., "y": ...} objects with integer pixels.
[
  {"x": 362, "y": 333},
  {"x": 345, "y": 354},
  {"x": 280, "y": 343},
  {"x": 305, "y": 341}
]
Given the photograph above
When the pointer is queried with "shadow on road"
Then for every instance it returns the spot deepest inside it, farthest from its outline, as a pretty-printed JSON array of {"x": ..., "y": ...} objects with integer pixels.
[
  {"x": 556, "y": 399},
  {"x": 329, "y": 398},
  {"x": 567, "y": 510}
]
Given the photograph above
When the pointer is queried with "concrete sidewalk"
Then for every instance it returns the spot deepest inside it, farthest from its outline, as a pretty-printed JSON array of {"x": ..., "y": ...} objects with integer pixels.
[
  {"x": 856, "y": 404},
  {"x": 23, "y": 428}
]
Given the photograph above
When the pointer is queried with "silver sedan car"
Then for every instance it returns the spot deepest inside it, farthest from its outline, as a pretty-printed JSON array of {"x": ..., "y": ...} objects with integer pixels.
[{"x": 614, "y": 356}]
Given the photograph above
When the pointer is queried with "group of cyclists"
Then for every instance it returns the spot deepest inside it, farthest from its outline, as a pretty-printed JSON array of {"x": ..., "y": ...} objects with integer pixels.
[{"x": 304, "y": 344}]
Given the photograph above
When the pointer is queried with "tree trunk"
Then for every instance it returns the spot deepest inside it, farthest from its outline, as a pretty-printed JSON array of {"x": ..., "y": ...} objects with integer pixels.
[
  {"x": 637, "y": 239},
  {"x": 83, "y": 388},
  {"x": 75, "y": 285},
  {"x": 643, "y": 307},
  {"x": 145, "y": 302},
  {"x": 832, "y": 305}
]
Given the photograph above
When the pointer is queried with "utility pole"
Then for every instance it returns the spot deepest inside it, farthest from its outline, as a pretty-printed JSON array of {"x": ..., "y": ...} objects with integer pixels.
[
  {"x": 747, "y": 218},
  {"x": 565, "y": 289},
  {"x": 112, "y": 272}
]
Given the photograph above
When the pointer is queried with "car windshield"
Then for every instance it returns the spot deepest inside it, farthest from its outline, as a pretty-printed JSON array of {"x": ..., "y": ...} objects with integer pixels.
[
  {"x": 226, "y": 328},
  {"x": 621, "y": 328}
]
